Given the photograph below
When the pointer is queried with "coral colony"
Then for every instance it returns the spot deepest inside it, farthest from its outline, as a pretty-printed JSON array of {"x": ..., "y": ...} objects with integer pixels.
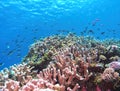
[{"x": 66, "y": 63}]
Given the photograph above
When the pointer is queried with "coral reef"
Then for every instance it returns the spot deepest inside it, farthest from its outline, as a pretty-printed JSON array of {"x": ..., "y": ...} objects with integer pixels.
[{"x": 66, "y": 63}]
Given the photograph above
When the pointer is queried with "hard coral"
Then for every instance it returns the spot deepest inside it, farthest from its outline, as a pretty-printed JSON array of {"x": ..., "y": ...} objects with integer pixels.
[{"x": 67, "y": 63}]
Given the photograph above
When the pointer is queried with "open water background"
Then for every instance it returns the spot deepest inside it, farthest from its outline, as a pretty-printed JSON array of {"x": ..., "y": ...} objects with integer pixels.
[{"x": 24, "y": 21}]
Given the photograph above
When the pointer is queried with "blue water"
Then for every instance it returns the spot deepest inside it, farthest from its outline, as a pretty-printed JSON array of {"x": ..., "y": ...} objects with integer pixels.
[{"x": 24, "y": 21}]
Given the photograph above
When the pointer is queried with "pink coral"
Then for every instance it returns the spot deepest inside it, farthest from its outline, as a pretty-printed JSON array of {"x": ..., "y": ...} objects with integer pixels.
[
  {"x": 115, "y": 65},
  {"x": 11, "y": 85},
  {"x": 109, "y": 74},
  {"x": 71, "y": 69}
]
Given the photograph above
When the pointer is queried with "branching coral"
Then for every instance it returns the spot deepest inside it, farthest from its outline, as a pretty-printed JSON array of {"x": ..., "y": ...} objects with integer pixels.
[
  {"x": 109, "y": 75},
  {"x": 66, "y": 63}
]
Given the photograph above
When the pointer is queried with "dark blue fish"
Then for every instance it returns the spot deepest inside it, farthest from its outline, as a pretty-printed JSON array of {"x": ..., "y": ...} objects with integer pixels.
[
  {"x": 91, "y": 31},
  {"x": 102, "y": 33},
  {"x": 1, "y": 64},
  {"x": 11, "y": 52}
]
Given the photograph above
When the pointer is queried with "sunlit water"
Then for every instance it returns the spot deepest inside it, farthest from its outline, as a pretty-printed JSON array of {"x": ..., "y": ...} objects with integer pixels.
[{"x": 24, "y": 21}]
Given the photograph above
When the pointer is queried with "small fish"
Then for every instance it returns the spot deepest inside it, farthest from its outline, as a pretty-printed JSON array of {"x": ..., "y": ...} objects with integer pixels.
[
  {"x": 114, "y": 31},
  {"x": 23, "y": 40},
  {"x": 11, "y": 52},
  {"x": 81, "y": 33},
  {"x": 34, "y": 39},
  {"x": 91, "y": 31},
  {"x": 95, "y": 22},
  {"x": 1, "y": 64},
  {"x": 98, "y": 37},
  {"x": 102, "y": 33},
  {"x": 34, "y": 30}
]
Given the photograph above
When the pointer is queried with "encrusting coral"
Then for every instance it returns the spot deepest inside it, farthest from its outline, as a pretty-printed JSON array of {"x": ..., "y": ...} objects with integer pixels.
[{"x": 66, "y": 63}]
